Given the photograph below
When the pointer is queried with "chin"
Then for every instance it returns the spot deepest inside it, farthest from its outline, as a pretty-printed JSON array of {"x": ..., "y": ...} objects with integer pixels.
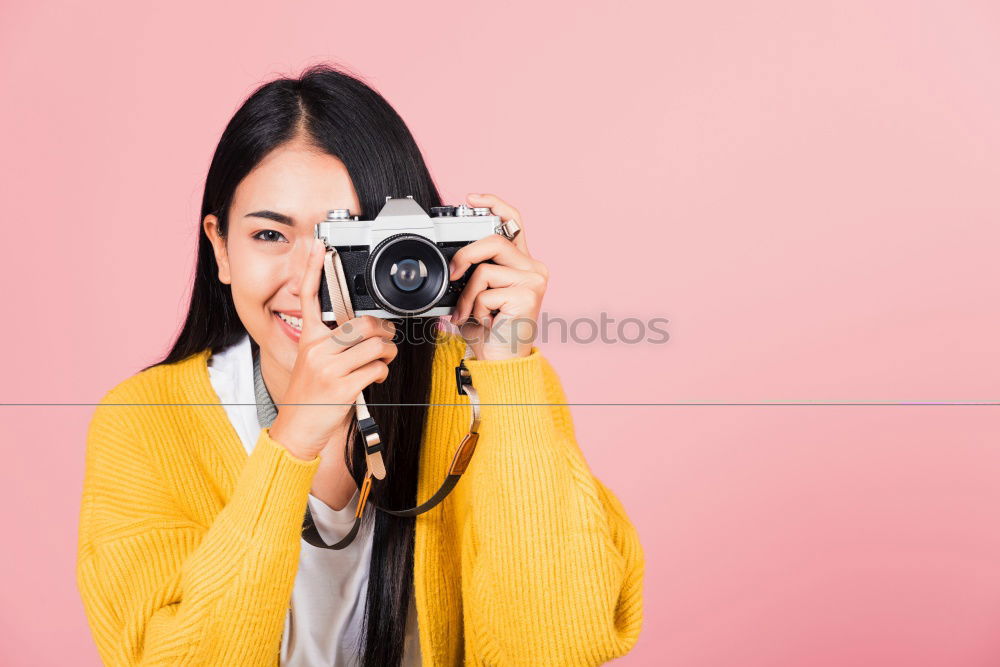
[{"x": 278, "y": 347}]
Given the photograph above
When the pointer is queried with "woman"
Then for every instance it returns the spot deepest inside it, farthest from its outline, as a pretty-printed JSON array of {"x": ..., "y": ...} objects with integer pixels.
[{"x": 191, "y": 528}]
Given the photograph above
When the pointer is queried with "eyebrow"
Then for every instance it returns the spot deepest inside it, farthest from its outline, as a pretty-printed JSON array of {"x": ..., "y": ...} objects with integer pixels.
[{"x": 271, "y": 215}]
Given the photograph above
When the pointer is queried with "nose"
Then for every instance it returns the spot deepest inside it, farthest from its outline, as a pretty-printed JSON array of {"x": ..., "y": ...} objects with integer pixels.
[{"x": 299, "y": 261}]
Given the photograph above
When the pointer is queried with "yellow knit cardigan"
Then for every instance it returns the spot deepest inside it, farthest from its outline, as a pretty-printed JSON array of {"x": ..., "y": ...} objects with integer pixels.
[{"x": 188, "y": 547}]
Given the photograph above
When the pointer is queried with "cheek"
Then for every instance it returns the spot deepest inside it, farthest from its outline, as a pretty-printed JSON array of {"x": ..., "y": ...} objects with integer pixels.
[{"x": 255, "y": 279}]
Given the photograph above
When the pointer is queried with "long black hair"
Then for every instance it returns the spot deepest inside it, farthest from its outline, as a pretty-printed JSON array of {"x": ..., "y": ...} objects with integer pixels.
[{"x": 346, "y": 118}]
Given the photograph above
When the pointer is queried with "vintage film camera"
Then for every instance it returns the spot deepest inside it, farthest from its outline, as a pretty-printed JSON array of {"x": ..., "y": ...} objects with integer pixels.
[{"x": 397, "y": 264}]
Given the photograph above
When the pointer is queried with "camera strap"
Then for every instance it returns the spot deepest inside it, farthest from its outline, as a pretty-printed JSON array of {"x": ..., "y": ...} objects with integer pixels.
[
  {"x": 466, "y": 448},
  {"x": 341, "y": 305},
  {"x": 340, "y": 301}
]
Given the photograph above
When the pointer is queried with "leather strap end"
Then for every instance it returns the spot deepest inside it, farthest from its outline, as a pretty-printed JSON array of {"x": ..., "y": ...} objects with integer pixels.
[
  {"x": 366, "y": 488},
  {"x": 376, "y": 465},
  {"x": 464, "y": 454}
]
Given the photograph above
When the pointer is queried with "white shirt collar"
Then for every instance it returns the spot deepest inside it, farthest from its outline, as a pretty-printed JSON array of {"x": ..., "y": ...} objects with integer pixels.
[{"x": 231, "y": 373}]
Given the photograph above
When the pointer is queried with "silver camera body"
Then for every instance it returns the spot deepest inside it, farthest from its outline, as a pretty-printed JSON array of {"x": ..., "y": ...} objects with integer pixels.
[{"x": 397, "y": 264}]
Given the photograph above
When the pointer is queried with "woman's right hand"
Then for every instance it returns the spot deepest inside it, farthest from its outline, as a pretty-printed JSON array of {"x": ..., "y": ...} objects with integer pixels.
[{"x": 332, "y": 366}]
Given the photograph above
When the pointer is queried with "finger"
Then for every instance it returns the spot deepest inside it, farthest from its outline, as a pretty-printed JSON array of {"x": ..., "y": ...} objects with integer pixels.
[
  {"x": 355, "y": 330},
  {"x": 368, "y": 350},
  {"x": 509, "y": 301},
  {"x": 494, "y": 247},
  {"x": 373, "y": 371},
  {"x": 506, "y": 212},
  {"x": 312, "y": 315},
  {"x": 489, "y": 276}
]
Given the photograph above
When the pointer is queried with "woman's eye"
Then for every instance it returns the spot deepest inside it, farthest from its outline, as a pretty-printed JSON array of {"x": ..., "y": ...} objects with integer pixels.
[{"x": 260, "y": 236}]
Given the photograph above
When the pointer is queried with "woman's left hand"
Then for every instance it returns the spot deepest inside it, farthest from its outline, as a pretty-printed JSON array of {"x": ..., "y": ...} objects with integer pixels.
[{"x": 505, "y": 297}]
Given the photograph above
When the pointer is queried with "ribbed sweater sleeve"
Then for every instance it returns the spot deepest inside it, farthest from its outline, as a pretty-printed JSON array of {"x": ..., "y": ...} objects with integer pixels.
[
  {"x": 552, "y": 567},
  {"x": 160, "y": 588}
]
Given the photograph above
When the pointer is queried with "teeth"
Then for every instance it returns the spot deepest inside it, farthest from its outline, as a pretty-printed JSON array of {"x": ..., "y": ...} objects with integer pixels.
[{"x": 295, "y": 322}]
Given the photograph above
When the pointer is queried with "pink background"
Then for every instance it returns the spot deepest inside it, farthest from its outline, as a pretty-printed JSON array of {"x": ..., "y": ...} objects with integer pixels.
[{"x": 807, "y": 191}]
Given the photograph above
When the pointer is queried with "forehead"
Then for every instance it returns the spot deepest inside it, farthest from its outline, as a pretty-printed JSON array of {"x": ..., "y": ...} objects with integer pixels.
[{"x": 297, "y": 180}]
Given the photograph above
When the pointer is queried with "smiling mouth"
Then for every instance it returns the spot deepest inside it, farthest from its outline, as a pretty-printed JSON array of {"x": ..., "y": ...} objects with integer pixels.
[{"x": 293, "y": 322}]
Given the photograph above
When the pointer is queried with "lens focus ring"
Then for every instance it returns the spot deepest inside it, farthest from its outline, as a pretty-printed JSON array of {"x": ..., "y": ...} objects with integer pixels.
[{"x": 406, "y": 274}]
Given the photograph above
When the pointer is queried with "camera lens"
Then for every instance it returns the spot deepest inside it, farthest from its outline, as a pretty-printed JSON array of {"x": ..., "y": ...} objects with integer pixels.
[{"x": 406, "y": 274}]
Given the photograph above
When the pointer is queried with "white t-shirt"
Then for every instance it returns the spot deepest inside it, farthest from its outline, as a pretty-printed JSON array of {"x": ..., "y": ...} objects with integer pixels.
[{"x": 328, "y": 600}]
